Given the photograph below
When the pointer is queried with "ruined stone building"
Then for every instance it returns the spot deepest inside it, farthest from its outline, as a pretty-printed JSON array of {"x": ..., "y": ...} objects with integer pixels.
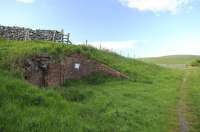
[{"x": 42, "y": 71}]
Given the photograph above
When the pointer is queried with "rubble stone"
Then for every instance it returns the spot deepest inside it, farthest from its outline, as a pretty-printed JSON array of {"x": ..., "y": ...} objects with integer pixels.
[{"x": 21, "y": 33}]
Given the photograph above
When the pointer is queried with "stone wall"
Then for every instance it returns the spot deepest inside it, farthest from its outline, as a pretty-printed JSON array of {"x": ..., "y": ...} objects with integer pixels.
[
  {"x": 21, "y": 33},
  {"x": 41, "y": 70}
]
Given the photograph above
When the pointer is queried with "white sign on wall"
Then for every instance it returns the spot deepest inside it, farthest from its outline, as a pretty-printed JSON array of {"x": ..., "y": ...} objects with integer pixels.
[{"x": 77, "y": 66}]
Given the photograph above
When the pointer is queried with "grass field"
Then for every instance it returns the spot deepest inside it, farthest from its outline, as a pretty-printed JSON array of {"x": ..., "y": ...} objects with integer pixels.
[
  {"x": 173, "y": 59},
  {"x": 145, "y": 103},
  {"x": 192, "y": 99},
  {"x": 190, "y": 93}
]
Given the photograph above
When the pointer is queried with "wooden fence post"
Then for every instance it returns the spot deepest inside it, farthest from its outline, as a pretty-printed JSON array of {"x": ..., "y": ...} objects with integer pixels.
[
  {"x": 68, "y": 36},
  {"x": 62, "y": 39},
  {"x": 54, "y": 34},
  {"x": 86, "y": 42},
  {"x": 26, "y": 37},
  {"x": 65, "y": 38}
]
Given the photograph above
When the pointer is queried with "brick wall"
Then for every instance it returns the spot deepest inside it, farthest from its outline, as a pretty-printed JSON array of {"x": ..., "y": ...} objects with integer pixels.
[{"x": 41, "y": 70}]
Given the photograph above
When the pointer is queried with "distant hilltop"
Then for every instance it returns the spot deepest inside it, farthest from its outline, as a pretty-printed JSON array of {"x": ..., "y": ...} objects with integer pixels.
[{"x": 21, "y": 33}]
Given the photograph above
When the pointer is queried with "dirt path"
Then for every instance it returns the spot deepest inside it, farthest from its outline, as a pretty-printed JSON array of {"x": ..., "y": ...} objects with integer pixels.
[{"x": 181, "y": 107}]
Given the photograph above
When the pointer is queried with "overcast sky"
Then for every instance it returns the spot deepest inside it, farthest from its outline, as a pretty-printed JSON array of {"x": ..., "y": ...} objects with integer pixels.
[{"x": 131, "y": 27}]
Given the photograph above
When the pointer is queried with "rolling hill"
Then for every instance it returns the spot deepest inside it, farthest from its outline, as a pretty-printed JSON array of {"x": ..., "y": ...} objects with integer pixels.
[
  {"x": 141, "y": 103},
  {"x": 173, "y": 61}
]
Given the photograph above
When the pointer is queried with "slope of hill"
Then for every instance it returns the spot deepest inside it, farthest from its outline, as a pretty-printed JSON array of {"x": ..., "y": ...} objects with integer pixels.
[
  {"x": 94, "y": 103},
  {"x": 173, "y": 59}
]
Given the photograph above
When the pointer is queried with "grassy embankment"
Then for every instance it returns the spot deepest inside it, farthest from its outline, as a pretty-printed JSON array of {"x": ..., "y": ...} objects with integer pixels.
[{"x": 145, "y": 103}]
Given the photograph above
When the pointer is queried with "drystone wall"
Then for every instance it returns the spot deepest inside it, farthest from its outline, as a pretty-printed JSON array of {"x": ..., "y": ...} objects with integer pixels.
[
  {"x": 21, "y": 33},
  {"x": 41, "y": 71}
]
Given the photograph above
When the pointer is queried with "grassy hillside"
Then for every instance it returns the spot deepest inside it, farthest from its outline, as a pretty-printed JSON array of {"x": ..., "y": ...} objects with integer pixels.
[
  {"x": 144, "y": 103},
  {"x": 174, "y": 59}
]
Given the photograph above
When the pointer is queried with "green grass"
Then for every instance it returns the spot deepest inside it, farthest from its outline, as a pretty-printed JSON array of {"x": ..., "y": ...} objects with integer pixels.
[
  {"x": 193, "y": 102},
  {"x": 144, "y": 103},
  {"x": 173, "y": 59},
  {"x": 195, "y": 63}
]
